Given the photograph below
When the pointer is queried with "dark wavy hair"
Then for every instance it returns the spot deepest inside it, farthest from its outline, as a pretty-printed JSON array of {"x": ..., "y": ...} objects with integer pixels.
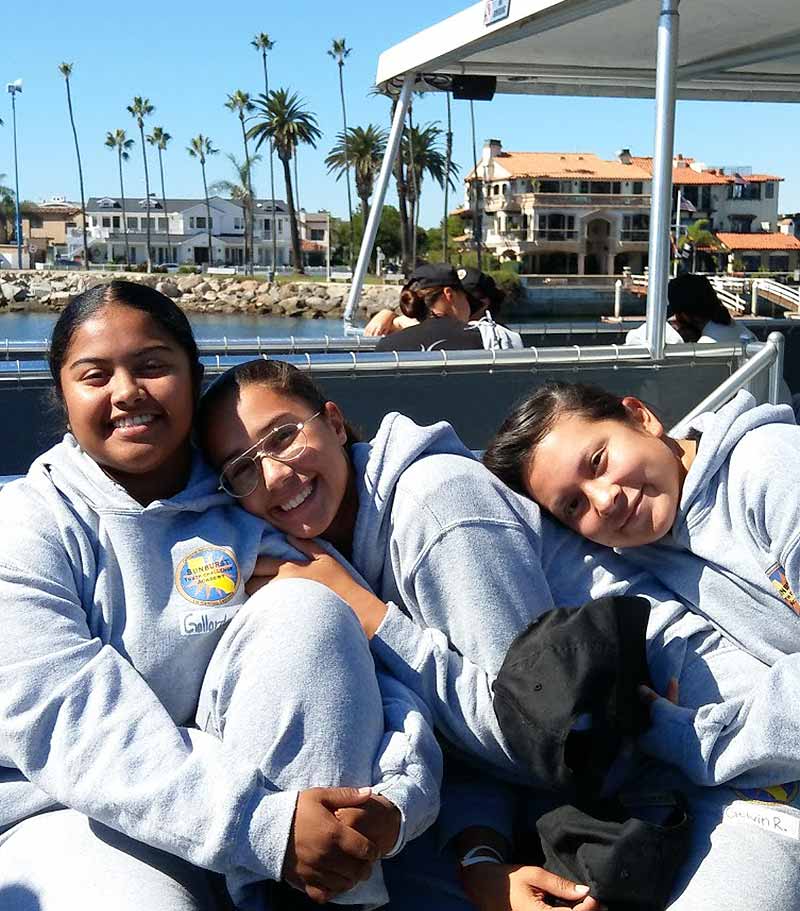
[
  {"x": 279, "y": 376},
  {"x": 509, "y": 452},
  {"x": 162, "y": 310},
  {"x": 694, "y": 295}
]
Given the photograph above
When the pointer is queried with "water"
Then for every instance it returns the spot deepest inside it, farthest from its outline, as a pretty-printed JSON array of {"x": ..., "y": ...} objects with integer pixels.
[{"x": 37, "y": 326}]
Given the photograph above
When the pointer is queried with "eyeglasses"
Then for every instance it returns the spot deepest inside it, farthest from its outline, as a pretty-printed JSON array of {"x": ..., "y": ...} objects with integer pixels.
[{"x": 240, "y": 477}]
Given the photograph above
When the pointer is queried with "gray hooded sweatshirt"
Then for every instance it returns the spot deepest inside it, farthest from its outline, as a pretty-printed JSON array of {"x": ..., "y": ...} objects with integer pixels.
[
  {"x": 465, "y": 565},
  {"x": 110, "y": 614},
  {"x": 733, "y": 553}
]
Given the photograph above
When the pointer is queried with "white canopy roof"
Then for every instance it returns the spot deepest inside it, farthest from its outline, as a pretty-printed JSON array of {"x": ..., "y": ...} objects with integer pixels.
[{"x": 736, "y": 50}]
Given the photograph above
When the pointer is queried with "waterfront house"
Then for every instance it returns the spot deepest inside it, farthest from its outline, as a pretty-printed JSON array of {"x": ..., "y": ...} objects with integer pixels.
[
  {"x": 45, "y": 227},
  {"x": 179, "y": 234},
  {"x": 576, "y": 213}
]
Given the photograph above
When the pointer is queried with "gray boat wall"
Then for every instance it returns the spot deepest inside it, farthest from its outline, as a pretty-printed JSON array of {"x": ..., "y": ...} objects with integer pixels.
[{"x": 474, "y": 399}]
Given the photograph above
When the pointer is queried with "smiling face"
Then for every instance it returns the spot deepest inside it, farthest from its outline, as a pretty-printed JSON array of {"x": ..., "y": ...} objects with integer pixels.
[
  {"x": 129, "y": 395},
  {"x": 307, "y": 496},
  {"x": 615, "y": 483}
]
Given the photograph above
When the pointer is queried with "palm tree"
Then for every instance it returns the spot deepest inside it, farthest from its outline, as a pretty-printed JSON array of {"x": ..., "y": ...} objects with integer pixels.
[
  {"x": 7, "y": 209},
  {"x": 240, "y": 102},
  {"x": 421, "y": 155},
  {"x": 339, "y": 51},
  {"x": 119, "y": 141},
  {"x": 262, "y": 43},
  {"x": 139, "y": 109},
  {"x": 362, "y": 150},
  {"x": 698, "y": 235},
  {"x": 285, "y": 121},
  {"x": 200, "y": 147},
  {"x": 240, "y": 190},
  {"x": 160, "y": 139},
  {"x": 66, "y": 71}
]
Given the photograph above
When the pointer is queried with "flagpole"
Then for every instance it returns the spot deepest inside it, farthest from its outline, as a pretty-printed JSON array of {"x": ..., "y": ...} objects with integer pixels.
[{"x": 677, "y": 231}]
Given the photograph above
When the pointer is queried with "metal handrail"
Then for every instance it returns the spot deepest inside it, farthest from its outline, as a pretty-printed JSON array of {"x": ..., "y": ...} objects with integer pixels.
[
  {"x": 790, "y": 295},
  {"x": 766, "y": 356}
]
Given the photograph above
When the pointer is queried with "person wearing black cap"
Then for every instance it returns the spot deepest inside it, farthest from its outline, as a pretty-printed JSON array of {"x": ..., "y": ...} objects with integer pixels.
[
  {"x": 486, "y": 300},
  {"x": 418, "y": 302},
  {"x": 435, "y": 299}
]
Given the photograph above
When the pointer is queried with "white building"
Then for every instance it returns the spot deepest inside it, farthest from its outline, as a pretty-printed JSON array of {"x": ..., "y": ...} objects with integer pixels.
[{"x": 187, "y": 223}]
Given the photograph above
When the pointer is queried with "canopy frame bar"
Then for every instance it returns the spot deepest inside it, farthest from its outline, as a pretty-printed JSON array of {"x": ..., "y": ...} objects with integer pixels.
[
  {"x": 379, "y": 196},
  {"x": 747, "y": 55}
]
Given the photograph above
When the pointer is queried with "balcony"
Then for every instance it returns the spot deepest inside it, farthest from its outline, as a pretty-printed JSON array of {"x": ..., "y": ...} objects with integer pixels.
[
  {"x": 508, "y": 201},
  {"x": 634, "y": 235},
  {"x": 604, "y": 200}
]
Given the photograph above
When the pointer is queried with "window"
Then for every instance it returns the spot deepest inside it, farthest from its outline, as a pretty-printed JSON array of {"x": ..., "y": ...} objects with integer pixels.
[
  {"x": 769, "y": 193},
  {"x": 638, "y": 188},
  {"x": 616, "y": 187},
  {"x": 106, "y": 221},
  {"x": 635, "y": 227},
  {"x": 35, "y": 221},
  {"x": 238, "y": 224},
  {"x": 280, "y": 227},
  {"x": 200, "y": 221},
  {"x": 601, "y": 186},
  {"x": 705, "y": 199},
  {"x": 549, "y": 186},
  {"x": 583, "y": 187},
  {"x": 115, "y": 222},
  {"x": 317, "y": 234},
  {"x": 162, "y": 224},
  {"x": 268, "y": 226},
  {"x": 744, "y": 191},
  {"x": 132, "y": 223}
]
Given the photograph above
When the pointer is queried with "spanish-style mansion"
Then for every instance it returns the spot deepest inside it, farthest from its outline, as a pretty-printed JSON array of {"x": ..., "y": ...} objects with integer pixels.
[{"x": 575, "y": 213}]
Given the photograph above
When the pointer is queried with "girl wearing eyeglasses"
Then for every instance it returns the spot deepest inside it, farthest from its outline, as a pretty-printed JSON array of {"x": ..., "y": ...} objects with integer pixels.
[
  {"x": 460, "y": 565},
  {"x": 121, "y": 565}
]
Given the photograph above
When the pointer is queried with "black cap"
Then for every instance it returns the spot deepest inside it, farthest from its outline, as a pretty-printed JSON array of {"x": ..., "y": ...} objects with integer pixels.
[
  {"x": 479, "y": 285},
  {"x": 568, "y": 692},
  {"x": 434, "y": 275}
]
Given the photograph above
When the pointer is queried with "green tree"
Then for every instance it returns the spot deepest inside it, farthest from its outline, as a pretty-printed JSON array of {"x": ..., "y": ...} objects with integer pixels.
[
  {"x": 283, "y": 119},
  {"x": 240, "y": 189},
  {"x": 362, "y": 150},
  {"x": 387, "y": 238},
  {"x": 160, "y": 139},
  {"x": 339, "y": 51},
  {"x": 140, "y": 108},
  {"x": 240, "y": 102},
  {"x": 200, "y": 147},
  {"x": 7, "y": 209},
  {"x": 119, "y": 142},
  {"x": 66, "y": 71},
  {"x": 263, "y": 44},
  {"x": 437, "y": 250},
  {"x": 698, "y": 235},
  {"x": 421, "y": 155}
]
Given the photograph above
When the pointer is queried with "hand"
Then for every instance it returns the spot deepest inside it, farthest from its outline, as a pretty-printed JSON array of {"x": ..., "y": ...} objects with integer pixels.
[
  {"x": 324, "y": 856},
  {"x": 382, "y": 323},
  {"x": 648, "y": 696},
  {"x": 378, "y": 820},
  {"x": 512, "y": 887}
]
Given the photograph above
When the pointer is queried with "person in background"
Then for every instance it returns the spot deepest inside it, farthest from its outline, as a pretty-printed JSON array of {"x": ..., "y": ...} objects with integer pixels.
[
  {"x": 695, "y": 314},
  {"x": 485, "y": 301},
  {"x": 440, "y": 308}
]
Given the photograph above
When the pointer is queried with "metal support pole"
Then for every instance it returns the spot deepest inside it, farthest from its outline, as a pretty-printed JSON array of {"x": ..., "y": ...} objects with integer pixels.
[
  {"x": 661, "y": 201},
  {"x": 754, "y": 299},
  {"x": 381, "y": 186},
  {"x": 778, "y": 342},
  {"x": 618, "y": 299},
  {"x": 18, "y": 214}
]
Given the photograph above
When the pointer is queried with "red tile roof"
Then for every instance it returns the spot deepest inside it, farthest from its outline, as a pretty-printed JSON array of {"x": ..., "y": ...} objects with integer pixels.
[
  {"x": 685, "y": 175},
  {"x": 566, "y": 166},
  {"x": 758, "y": 241}
]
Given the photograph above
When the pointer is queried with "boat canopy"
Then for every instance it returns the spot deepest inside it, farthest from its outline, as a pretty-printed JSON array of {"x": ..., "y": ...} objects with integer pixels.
[{"x": 730, "y": 50}]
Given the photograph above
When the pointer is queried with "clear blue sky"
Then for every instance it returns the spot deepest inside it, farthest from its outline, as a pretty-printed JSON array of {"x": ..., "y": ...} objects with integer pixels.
[{"x": 186, "y": 59}]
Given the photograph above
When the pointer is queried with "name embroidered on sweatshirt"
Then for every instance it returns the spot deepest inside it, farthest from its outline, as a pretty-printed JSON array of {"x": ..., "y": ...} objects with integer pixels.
[
  {"x": 208, "y": 576},
  {"x": 777, "y": 576}
]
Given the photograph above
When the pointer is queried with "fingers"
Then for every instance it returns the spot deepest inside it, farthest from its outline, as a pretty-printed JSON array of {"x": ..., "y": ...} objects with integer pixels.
[
  {"x": 306, "y": 546},
  {"x": 673, "y": 689},
  {"x": 557, "y": 886},
  {"x": 333, "y": 798},
  {"x": 646, "y": 695}
]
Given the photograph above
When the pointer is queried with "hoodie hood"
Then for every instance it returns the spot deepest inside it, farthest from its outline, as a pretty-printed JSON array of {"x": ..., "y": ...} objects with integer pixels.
[
  {"x": 719, "y": 433},
  {"x": 379, "y": 465},
  {"x": 78, "y": 477}
]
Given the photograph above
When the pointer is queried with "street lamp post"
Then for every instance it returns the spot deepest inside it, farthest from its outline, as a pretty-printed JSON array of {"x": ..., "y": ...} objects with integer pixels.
[{"x": 13, "y": 88}]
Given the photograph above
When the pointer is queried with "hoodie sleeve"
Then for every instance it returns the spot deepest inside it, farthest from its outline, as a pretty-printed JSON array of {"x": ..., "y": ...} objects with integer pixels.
[
  {"x": 82, "y": 725},
  {"x": 762, "y": 488},
  {"x": 750, "y": 734},
  {"x": 409, "y": 763}
]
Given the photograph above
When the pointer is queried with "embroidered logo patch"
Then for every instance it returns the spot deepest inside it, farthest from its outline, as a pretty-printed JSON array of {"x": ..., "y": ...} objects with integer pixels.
[
  {"x": 208, "y": 576},
  {"x": 779, "y": 793},
  {"x": 777, "y": 576}
]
